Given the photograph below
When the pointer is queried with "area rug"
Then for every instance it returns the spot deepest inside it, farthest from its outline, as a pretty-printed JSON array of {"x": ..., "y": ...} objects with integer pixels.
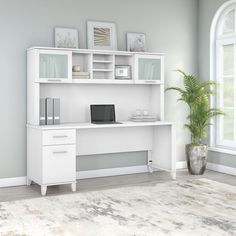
[{"x": 194, "y": 207}]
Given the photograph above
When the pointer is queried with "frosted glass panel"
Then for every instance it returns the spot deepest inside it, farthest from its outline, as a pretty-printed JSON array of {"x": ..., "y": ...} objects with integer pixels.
[
  {"x": 229, "y": 124},
  {"x": 53, "y": 66},
  {"x": 228, "y": 92},
  {"x": 229, "y": 23},
  {"x": 149, "y": 69},
  {"x": 228, "y": 59}
]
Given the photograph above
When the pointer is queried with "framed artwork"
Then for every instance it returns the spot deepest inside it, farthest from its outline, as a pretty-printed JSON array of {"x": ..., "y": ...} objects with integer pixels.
[
  {"x": 136, "y": 42},
  {"x": 66, "y": 38},
  {"x": 122, "y": 72},
  {"x": 101, "y": 35}
]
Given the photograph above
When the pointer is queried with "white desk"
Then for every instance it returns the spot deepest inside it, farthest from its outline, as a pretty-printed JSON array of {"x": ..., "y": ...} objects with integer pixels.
[
  {"x": 89, "y": 125},
  {"x": 52, "y": 150}
]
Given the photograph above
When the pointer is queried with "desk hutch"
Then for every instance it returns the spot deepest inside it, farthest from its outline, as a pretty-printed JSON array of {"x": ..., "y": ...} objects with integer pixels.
[{"x": 52, "y": 150}]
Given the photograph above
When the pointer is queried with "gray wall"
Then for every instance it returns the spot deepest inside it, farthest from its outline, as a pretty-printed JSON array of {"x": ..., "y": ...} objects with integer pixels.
[
  {"x": 170, "y": 25},
  {"x": 207, "y": 10}
]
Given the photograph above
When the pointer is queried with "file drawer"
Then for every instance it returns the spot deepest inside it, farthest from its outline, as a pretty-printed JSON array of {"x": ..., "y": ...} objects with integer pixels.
[
  {"x": 58, "y": 137},
  {"x": 59, "y": 164}
]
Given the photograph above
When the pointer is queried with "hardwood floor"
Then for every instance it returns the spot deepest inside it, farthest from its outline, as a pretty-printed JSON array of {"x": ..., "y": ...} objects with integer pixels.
[{"x": 33, "y": 191}]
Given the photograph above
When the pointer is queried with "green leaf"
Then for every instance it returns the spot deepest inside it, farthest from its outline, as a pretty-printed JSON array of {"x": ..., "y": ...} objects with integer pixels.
[{"x": 196, "y": 96}]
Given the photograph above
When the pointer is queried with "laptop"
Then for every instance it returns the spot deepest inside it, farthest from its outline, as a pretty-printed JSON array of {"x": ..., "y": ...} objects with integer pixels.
[{"x": 103, "y": 114}]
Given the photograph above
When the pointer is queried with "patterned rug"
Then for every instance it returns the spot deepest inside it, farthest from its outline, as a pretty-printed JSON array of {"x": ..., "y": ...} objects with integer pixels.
[{"x": 194, "y": 207}]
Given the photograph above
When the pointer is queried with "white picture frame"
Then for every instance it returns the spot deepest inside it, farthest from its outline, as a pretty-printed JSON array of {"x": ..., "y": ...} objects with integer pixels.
[
  {"x": 123, "y": 72},
  {"x": 101, "y": 35},
  {"x": 136, "y": 42},
  {"x": 66, "y": 38}
]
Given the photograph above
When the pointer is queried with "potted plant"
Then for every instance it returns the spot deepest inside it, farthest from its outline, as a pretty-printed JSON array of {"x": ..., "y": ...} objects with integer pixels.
[{"x": 196, "y": 95}]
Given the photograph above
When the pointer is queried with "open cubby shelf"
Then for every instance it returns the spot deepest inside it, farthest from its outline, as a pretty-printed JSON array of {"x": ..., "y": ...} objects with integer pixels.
[
  {"x": 101, "y": 61},
  {"x": 102, "y": 70},
  {"x": 97, "y": 66}
]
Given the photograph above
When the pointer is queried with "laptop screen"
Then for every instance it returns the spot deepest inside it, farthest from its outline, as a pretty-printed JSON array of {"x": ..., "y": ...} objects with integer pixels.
[{"x": 102, "y": 113}]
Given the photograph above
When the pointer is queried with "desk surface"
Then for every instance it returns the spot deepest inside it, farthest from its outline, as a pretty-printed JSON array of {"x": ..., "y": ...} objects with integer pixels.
[{"x": 99, "y": 126}]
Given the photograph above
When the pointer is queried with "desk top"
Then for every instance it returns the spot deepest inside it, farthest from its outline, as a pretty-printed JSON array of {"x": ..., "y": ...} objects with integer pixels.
[{"x": 99, "y": 126}]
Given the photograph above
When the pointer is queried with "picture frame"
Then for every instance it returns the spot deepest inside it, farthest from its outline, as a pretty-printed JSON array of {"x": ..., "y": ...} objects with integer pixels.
[
  {"x": 101, "y": 35},
  {"x": 123, "y": 72},
  {"x": 136, "y": 42},
  {"x": 66, "y": 38}
]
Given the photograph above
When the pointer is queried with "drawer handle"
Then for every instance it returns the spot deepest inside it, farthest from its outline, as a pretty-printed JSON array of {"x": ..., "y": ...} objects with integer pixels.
[
  {"x": 54, "y": 80},
  {"x": 60, "y": 152},
  {"x": 60, "y": 136},
  {"x": 150, "y": 81}
]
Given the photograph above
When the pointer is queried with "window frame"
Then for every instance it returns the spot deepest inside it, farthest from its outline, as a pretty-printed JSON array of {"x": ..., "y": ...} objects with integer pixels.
[{"x": 217, "y": 41}]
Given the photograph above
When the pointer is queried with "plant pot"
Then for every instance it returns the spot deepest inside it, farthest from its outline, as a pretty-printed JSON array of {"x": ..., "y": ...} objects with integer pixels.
[{"x": 196, "y": 158}]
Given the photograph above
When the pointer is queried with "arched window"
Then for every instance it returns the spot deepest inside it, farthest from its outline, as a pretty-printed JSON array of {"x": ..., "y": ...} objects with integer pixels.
[{"x": 223, "y": 71}]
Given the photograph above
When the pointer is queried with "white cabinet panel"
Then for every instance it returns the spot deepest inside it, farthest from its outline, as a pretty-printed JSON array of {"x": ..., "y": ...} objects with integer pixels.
[
  {"x": 149, "y": 69},
  {"x": 59, "y": 164},
  {"x": 113, "y": 140},
  {"x": 54, "y": 66},
  {"x": 57, "y": 137}
]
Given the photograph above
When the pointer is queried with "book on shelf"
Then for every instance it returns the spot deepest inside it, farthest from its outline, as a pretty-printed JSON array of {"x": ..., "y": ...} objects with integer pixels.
[
  {"x": 80, "y": 77},
  {"x": 49, "y": 111},
  {"x": 80, "y": 73}
]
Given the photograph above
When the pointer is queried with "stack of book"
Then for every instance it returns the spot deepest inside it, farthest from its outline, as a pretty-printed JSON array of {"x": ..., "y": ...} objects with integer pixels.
[{"x": 80, "y": 75}]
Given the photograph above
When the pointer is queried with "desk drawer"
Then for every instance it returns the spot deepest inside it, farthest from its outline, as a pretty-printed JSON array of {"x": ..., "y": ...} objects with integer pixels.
[
  {"x": 58, "y": 137},
  {"x": 59, "y": 164}
]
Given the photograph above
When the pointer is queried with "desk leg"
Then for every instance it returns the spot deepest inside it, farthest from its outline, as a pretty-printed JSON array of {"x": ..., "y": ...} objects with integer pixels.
[
  {"x": 173, "y": 152},
  {"x": 164, "y": 150},
  {"x": 43, "y": 190},
  {"x": 28, "y": 182},
  {"x": 150, "y": 167},
  {"x": 73, "y": 187}
]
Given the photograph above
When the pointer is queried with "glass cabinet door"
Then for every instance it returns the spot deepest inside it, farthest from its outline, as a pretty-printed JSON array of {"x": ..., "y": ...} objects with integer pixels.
[
  {"x": 54, "y": 66},
  {"x": 149, "y": 69}
]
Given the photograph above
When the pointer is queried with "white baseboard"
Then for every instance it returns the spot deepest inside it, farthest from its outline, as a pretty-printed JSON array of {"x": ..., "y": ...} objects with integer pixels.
[
  {"x": 10, "y": 182},
  {"x": 181, "y": 165},
  {"x": 221, "y": 168},
  {"x": 111, "y": 172},
  {"x": 210, "y": 166},
  {"x": 18, "y": 181}
]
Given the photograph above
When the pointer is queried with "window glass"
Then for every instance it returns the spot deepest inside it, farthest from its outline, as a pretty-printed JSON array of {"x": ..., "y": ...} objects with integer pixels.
[
  {"x": 228, "y": 133},
  {"x": 228, "y": 60},
  {"x": 228, "y": 92},
  {"x": 229, "y": 23}
]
